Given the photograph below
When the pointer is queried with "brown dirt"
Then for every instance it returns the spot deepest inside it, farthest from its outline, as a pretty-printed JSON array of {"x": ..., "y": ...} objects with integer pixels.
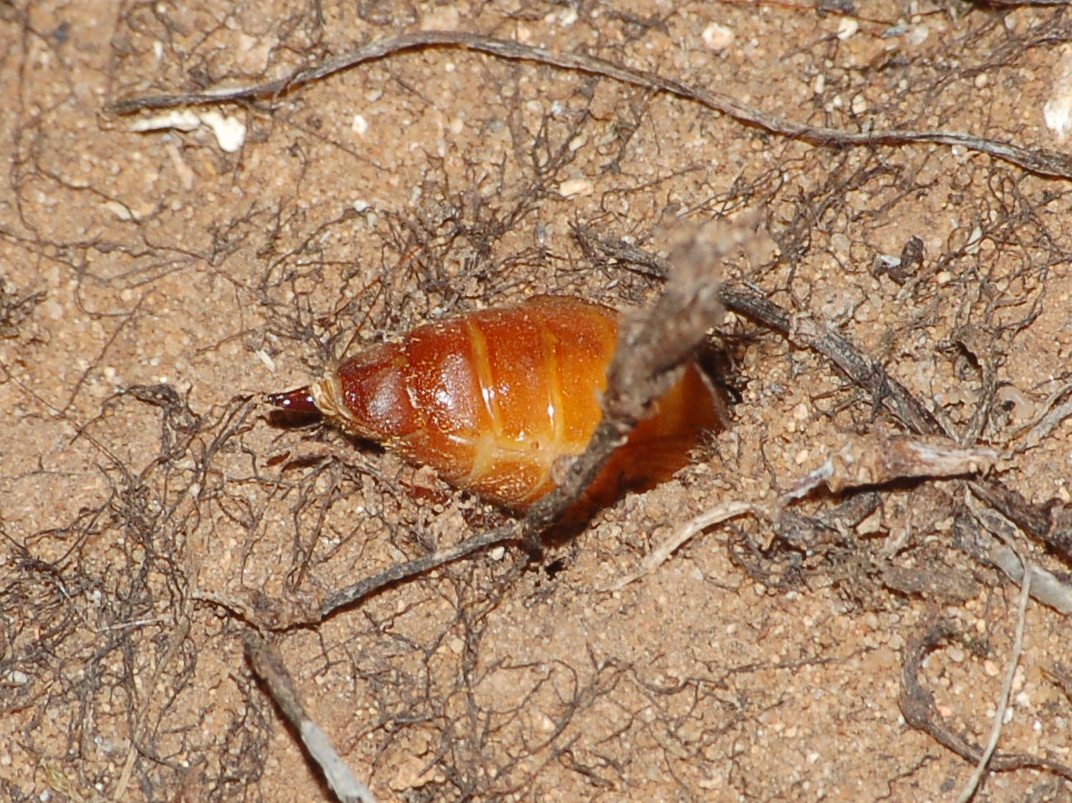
[{"x": 154, "y": 285}]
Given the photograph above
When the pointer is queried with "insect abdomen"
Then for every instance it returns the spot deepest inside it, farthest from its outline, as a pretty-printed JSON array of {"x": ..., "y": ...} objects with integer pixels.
[
  {"x": 492, "y": 399},
  {"x": 506, "y": 392}
]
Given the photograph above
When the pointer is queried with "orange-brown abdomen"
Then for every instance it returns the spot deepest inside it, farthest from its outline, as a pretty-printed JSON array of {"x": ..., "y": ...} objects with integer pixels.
[{"x": 492, "y": 399}]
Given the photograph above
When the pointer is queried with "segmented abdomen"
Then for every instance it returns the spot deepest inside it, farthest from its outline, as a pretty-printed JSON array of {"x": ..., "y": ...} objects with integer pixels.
[
  {"x": 492, "y": 399},
  {"x": 504, "y": 393}
]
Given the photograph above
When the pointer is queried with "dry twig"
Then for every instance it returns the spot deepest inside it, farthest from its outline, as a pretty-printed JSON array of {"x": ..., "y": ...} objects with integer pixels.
[
  {"x": 1043, "y": 162},
  {"x": 1049, "y": 525},
  {"x": 269, "y": 667},
  {"x": 1000, "y": 534},
  {"x": 968, "y": 792},
  {"x": 1053, "y": 411},
  {"x": 862, "y": 462}
]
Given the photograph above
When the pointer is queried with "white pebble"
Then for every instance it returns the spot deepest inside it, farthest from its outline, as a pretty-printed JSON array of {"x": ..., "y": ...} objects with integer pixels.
[
  {"x": 567, "y": 16},
  {"x": 717, "y": 37},
  {"x": 576, "y": 186},
  {"x": 266, "y": 358},
  {"x": 847, "y": 28},
  {"x": 1057, "y": 113},
  {"x": 120, "y": 211},
  {"x": 360, "y": 125},
  {"x": 974, "y": 240},
  {"x": 230, "y": 132},
  {"x": 177, "y": 120}
]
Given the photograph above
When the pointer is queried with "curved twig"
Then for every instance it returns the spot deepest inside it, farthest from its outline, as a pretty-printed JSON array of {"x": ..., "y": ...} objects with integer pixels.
[{"x": 1043, "y": 162}]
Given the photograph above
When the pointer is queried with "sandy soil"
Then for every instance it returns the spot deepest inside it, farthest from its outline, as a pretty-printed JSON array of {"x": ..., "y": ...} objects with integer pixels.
[{"x": 153, "y": 285}]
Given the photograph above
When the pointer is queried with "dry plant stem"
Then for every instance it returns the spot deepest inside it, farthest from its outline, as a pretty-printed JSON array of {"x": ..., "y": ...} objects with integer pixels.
[
  {"x": 878, "y": 459},
  {"x": 403, "y": 571},
  {"x": 1003, "y": 703},
  {"x": 1047, "y": 163},
  {"x": 805, "y": 331},
  {"x": 1037, "y": 521},
  {"x": 899, "y": 401},
  {"x": 1045, "y": 587},
  {"x": 269, "y": 667},
  {"x": 917, "y": 706},
  {"x": 1045, "y": 523},
  {"x": 651, "y": 348},
  {"x": 694, "y": 526},
  {"x": 802, "y": 330},
  {"x": 862, "y": 462},
  {"x": 174, "y": 642},
  {"x": 1054, "y": 411}
]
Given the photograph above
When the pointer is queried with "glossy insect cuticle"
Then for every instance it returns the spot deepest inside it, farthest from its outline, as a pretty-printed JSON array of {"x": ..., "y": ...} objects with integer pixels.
[{"x": 497, "y": 400}]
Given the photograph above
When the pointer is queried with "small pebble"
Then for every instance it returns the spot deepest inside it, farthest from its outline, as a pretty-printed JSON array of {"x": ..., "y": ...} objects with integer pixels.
[
  {"x": 230, "y": 132},
  {"x": 918, "y": 35},
  {"x": 266, "y": 359},
  {"x": 576, "y": 186},
  {"x": 847, "y": 28},
  {"x": 717, "y": 37}
]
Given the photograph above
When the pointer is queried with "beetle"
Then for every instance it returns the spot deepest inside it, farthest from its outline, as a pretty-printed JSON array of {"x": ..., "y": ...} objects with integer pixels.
[{"x": 492, "y": 400}]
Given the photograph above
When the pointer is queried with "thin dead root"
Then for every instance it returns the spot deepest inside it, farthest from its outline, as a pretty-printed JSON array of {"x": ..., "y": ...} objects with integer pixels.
[
  {"x": 919, "y": 710},
  {"x": 694, "y": 526},
  {"x": 1047, "y": 163},
  {"x": 1046, "y": 523},
  {"x": 871, "y": 461},
  {"x": 174, "y": 643},
  {"x": 968, "y": 792},
  {"x": 1001, "y": 553}
]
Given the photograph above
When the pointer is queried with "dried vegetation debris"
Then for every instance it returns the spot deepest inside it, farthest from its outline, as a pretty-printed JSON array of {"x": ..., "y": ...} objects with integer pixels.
[{"x": 151, "y": 511}]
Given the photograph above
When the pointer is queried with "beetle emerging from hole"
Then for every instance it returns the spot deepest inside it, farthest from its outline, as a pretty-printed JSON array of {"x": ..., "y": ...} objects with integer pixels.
[{"x": 494, "y": 399}]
